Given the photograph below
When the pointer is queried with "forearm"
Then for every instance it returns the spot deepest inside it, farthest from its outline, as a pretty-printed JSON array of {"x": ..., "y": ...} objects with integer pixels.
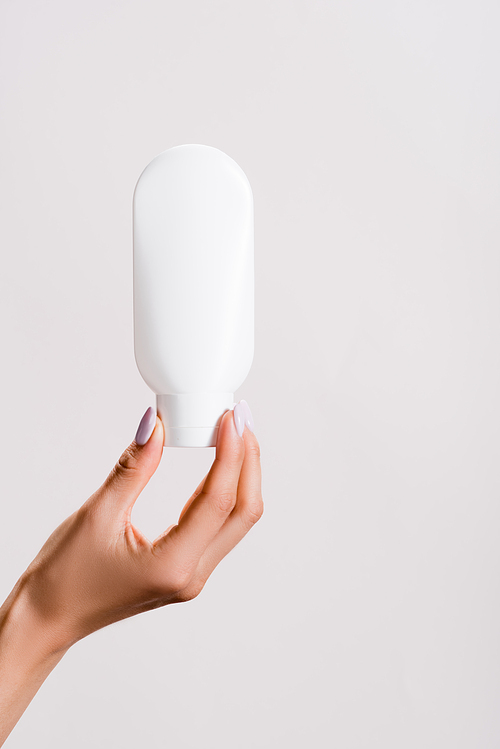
[{"x": 27, "y": 656}]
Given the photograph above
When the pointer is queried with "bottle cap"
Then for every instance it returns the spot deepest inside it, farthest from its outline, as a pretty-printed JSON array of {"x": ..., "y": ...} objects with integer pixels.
[{"x": 192, "y": 419}]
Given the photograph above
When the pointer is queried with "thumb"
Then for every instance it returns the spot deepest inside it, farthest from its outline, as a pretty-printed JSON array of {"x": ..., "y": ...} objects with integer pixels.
[{"x": 137, "y": 463}]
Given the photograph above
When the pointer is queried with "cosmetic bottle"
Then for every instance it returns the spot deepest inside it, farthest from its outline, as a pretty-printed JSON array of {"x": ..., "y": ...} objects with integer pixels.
[{"x": 193, "y": 288}]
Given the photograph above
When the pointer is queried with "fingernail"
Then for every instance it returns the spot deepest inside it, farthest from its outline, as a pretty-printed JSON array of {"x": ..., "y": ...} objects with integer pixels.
[
  {"x": 248, "y": 415},
  {"x": 146, "y": 426},
  {"x": 239, "y": 418}
]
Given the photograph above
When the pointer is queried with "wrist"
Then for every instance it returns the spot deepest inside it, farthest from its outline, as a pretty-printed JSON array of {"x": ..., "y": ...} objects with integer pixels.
[
  {"x": 29, "y": 651},
  {"x": 33, "y": 638}
]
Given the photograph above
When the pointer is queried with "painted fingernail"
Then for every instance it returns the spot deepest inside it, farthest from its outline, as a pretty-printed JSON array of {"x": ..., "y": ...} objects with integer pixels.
[
  {"x": 146, "y": 427},
  {"x": 239, "y": 418},
  {"x": 248, "y": 415}
]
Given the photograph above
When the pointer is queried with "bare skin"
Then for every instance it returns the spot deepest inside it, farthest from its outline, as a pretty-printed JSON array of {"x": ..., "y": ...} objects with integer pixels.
[{"x": 97, "y": 568}]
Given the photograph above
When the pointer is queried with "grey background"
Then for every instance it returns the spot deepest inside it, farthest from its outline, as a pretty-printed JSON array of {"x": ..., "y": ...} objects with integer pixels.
[{"x": 364, "y": 609}]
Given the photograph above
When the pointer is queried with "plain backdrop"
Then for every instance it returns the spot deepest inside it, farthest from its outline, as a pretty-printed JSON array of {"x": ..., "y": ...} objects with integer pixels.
[{"x": 363, "y": 610}]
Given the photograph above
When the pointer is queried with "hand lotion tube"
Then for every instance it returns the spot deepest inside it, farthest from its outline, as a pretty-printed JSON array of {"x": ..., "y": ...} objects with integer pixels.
[{"x": 193, "y": 288}]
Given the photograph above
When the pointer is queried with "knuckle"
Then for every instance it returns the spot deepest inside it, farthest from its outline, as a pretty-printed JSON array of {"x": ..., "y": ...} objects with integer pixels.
[
  {"x": 180, "y": 579},
  {"x": 254, "y": 450},
  {"x": 225, "y": 502},
  {"x": 254, "y": 509},
  {"x": 190, "y": 591},
  {"x": 127, "y": 463},
  {"x": 128, "y": 460}
]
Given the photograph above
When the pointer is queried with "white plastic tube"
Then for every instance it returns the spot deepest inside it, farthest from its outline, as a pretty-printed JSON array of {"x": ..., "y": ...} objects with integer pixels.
[{"x": 193, "y": 288}]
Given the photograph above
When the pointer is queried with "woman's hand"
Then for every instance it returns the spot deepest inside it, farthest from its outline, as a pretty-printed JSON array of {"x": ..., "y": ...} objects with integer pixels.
[{"x": 97, "y": 568}]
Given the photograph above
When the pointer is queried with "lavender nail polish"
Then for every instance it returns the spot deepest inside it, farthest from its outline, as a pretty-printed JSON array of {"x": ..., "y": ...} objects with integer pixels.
[
  {"x": 239, "y": 418},
  {"x": 248, "y": 416},
  {"x": 146, "y": 427}
]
